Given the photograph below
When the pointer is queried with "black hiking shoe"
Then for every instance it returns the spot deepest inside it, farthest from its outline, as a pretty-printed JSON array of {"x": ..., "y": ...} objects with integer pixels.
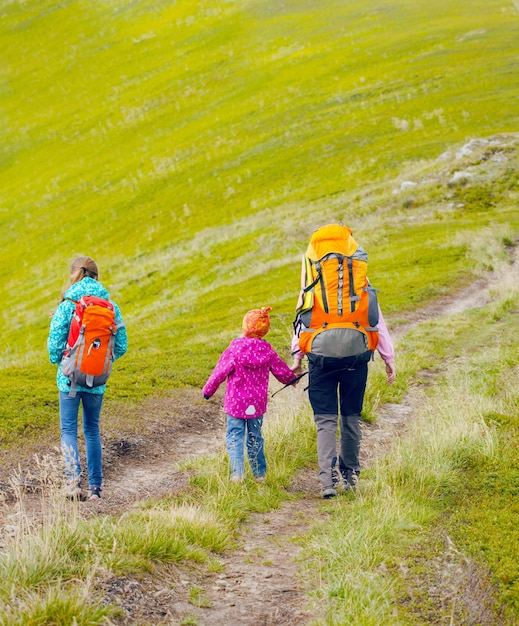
[
  {"x": 350, "y": 479},
  {"x": 329, "y": 492}
]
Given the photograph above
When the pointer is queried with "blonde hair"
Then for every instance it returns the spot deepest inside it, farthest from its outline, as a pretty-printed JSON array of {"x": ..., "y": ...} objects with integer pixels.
[{"x": 81, "y": 267}]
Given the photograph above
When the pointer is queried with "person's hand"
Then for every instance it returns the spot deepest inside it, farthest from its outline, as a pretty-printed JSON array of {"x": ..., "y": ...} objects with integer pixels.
[
  {"x": 296, "y": 368},
  {"x": 390, "y": 373}
]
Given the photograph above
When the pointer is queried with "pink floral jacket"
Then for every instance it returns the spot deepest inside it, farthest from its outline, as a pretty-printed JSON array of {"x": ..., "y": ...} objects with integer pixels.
[{"x": 246, "y": 364}]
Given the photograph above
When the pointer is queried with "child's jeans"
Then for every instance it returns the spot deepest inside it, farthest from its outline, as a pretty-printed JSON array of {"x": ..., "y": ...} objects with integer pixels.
[
  {"x": 248, "y": 431},
  {"x": 69, "y": 409}
]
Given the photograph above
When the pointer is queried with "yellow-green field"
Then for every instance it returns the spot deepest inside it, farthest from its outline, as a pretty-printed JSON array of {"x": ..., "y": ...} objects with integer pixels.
[{"x": 191, "y": 147}]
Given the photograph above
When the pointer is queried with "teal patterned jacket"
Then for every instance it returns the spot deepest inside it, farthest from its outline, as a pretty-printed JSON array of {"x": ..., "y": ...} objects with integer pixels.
[{"x": 60, "y": 325}]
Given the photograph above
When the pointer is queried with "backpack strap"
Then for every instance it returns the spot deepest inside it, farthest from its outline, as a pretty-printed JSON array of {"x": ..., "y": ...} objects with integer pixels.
[
  {"x": 373, "y": 316},
  {"x": 353, "y": 297},
  {"x": 340, "y": 283},
  {"x": 314, "y": 282},
  {"x": 321, "y": 280},
  {"x": 73, "y": 390}
]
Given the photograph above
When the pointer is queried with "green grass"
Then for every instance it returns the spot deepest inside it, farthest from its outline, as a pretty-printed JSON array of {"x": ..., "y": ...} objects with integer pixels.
[
  {"x": 45, "y": 569},
  {"x": 369, "y": 562},
  {"x": 201, "y": 145},
  {"x": 431, "y": 533},
  {"x": 191, "y": 148}
]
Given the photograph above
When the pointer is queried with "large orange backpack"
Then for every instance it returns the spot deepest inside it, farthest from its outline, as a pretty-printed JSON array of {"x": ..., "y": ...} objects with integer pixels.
[
  {"x": 89, "y": 353},
  {"x": 336, "y": 296}
]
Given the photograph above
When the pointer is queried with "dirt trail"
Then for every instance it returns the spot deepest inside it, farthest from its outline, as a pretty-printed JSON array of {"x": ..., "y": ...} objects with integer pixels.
[{"x": 258, "y": 585}]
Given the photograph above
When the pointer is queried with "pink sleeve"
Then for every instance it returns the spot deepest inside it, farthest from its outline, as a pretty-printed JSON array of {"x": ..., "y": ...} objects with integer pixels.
[
  {"x": 294, "y": 350},
  {"x": 221, "y": 371},
  {"x": 280, "y": 369},
  {"x": 385, "y": 346}
]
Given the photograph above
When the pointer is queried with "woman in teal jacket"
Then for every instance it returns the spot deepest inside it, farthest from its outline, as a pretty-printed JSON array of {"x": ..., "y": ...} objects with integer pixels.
[{"x": 83, "y": 282}]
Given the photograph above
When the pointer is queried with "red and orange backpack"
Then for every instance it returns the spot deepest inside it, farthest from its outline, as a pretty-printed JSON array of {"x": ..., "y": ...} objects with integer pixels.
[{"x": 89, "y": 353}]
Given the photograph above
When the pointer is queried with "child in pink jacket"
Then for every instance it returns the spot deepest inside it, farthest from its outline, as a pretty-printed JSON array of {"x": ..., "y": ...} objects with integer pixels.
[{"x": 246, "y": 364}]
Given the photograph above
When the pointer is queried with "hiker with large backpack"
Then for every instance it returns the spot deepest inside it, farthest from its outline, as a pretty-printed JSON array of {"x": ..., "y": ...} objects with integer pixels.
[
  {"x": 338, "y": 327},
  {"x": 86, "y": 335}
]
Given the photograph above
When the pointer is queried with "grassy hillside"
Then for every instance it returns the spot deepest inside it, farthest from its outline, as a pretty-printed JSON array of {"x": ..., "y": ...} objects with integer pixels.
[
  {"x": 191, "y": 147},
  {"x": 430, "y": 536}
]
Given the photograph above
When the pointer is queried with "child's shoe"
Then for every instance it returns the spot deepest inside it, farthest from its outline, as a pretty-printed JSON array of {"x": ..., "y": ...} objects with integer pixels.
[
  {"x": 73, "y": 490},
  {"x": 236, "y": 478},
  {"x": 94, "y": 493},
  {"x": 260, "y": 479}
]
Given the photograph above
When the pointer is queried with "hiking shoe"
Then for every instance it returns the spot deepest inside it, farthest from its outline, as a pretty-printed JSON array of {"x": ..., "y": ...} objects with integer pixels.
[
  {"x": 94, "y": 493},
  {"x": 329, "y": 492},
  {"x": 350, "y": 479},
  {"x": 73, "y": 490}
]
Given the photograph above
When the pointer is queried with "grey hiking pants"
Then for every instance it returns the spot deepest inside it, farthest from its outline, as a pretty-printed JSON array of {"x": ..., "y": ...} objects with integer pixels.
[{"x": 336, "y": 392}]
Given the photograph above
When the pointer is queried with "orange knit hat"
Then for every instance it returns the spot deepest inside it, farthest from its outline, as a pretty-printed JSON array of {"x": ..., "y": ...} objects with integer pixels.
[{"x": 256, "y": 323}]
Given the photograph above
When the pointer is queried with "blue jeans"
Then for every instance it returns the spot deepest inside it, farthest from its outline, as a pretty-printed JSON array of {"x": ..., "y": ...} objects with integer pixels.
[
  {"x": 240, "y": 431},
  {"x": 68, "y": 411}
]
